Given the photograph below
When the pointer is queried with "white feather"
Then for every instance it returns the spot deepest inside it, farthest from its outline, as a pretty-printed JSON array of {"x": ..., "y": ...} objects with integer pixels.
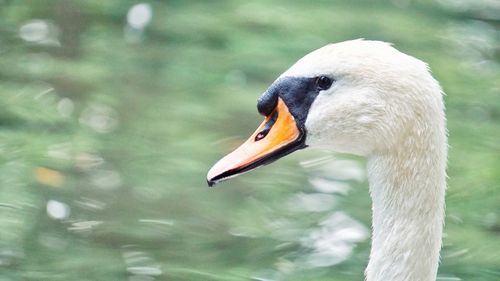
[{"x": 385, "y": 105}]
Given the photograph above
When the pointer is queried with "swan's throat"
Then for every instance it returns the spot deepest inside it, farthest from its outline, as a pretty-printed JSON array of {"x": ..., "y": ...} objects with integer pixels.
[{"x": 407, "y": 187}]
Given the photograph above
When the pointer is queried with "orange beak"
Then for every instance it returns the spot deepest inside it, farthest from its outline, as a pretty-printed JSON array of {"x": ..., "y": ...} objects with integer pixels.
[{"x": 276, "y": 137}]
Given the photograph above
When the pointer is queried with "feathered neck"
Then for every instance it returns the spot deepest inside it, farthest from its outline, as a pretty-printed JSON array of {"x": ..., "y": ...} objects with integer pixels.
[{"x": 407, "y": 186}]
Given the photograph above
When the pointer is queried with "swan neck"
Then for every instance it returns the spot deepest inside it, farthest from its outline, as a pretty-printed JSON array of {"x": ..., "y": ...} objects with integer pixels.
[{"x": 407, "y": 187}]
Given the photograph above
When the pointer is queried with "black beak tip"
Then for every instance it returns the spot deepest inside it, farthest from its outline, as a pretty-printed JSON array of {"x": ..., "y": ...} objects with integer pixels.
[{"x": 211, "y": 183}]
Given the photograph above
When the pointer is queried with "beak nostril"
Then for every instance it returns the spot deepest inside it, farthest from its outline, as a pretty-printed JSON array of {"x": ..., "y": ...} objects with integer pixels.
[{"x": 262, "y": 134}]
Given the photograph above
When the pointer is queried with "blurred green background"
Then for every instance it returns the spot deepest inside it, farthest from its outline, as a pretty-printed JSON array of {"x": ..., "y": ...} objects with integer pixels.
[{"x": 113, "y": 111}]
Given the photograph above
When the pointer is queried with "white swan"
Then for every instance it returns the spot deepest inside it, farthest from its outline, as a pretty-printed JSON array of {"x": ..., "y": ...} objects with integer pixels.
[{"x": 365, "y": 98}]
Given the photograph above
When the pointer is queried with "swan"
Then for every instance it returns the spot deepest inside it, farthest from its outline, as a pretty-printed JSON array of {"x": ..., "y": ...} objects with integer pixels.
[{"x": 365, "y": 98}]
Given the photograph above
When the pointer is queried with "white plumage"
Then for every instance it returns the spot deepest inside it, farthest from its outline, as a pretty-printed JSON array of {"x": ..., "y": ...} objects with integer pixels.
[
  {"x": 385, "y": 105},
  {"x": 365, "y": 98}
]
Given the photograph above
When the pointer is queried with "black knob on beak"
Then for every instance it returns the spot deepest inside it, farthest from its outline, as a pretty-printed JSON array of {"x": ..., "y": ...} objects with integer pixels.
[{"x": 268, "y": 101}]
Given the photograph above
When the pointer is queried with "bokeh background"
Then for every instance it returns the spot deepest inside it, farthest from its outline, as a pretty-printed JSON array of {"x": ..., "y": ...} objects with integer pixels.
[{"x": 111, "y": 112}]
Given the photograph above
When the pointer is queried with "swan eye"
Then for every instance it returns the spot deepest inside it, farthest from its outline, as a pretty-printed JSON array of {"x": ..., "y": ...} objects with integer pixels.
[{"x": 324, "y": 83}]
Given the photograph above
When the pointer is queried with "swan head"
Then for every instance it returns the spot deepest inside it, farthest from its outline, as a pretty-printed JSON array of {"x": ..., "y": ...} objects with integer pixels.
[{"x": 357, "y": 97}]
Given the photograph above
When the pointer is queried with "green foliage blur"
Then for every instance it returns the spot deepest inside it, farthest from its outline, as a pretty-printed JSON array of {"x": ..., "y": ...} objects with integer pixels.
[{"x": 109, "y": 122}]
